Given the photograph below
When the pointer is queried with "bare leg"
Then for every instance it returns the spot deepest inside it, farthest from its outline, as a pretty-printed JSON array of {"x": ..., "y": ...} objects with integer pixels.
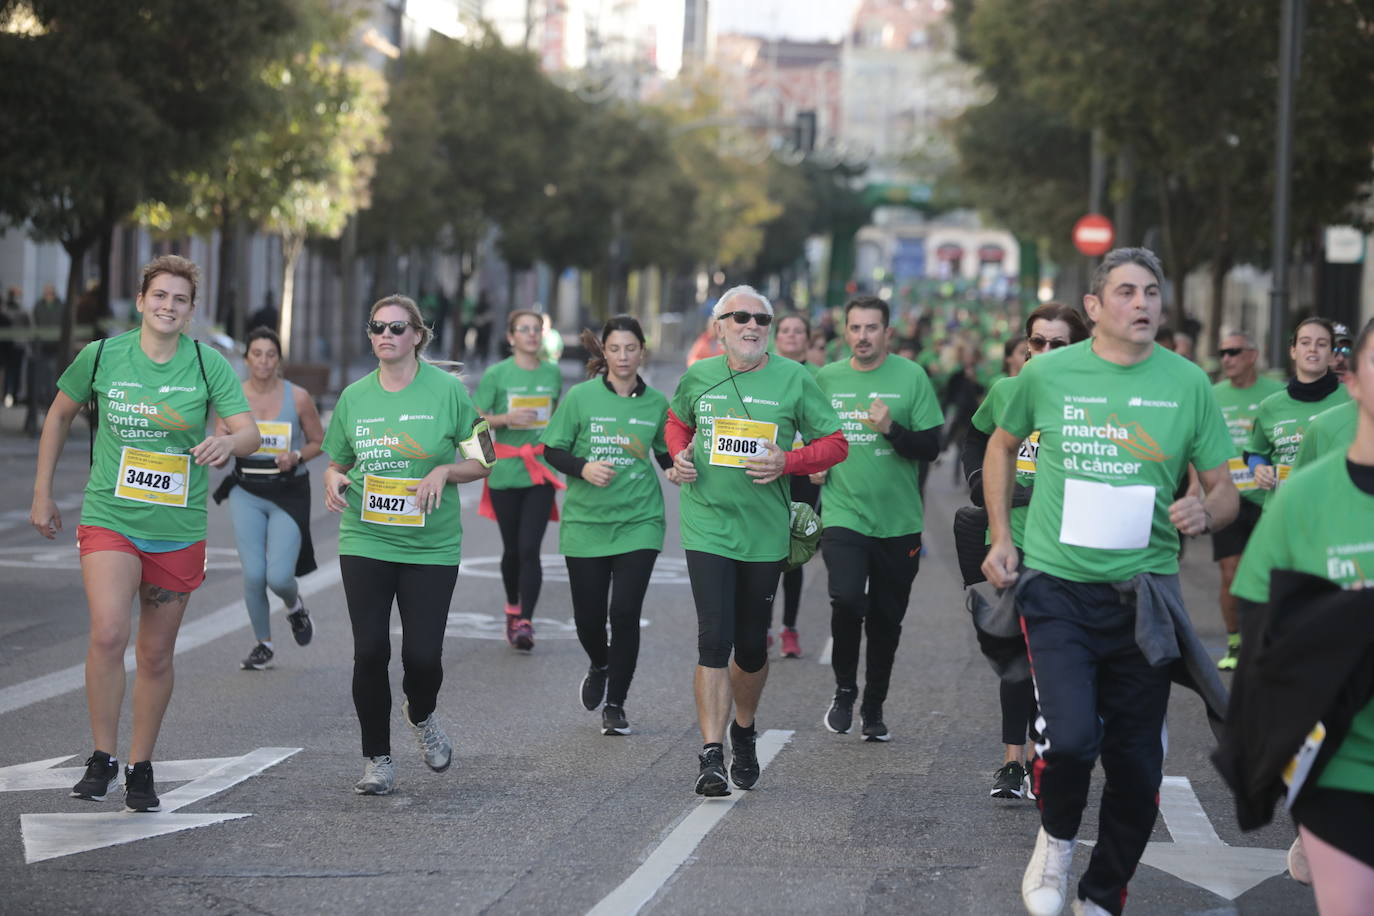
[
  {"x": 712, "y": 688},
  {"x": 111, "y": 580},
  {"x": 159, "y": 619},
  {"x": 747, "y": 688},
  {"x": 1343, "y": 884}
]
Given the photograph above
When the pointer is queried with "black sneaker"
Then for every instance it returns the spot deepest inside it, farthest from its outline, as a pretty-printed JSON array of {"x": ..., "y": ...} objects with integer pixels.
[
  {"x": 139, "y": 794},
  {"x": 744, "y": 758},
  {"x": 613, "y": 721},
  {"x": 302, "y": 628},
  {"x": 874, "y": 729},
  {"x": 840, "y": 716},
  {"x": 1009, "y": 781},
  {"x": 259, "y": 659},
  {"x": 711, "y": 781},
  {"x": 102, "y": 771},
  {"x": 593, "y": 688}
]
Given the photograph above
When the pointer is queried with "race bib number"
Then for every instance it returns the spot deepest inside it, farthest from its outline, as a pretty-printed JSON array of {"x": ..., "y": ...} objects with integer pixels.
[
  {"x": 153, "y": 477},
  {"x": 386, "y": 502},
  {"x": 541, "y": 404},
  {"x": 276, "y": 438},
  {"x": 1028, "y": 453},
  {"x": 1281, "y": 472},
  {"x": 1241, "y": 475},
  {"x": 734, "y": 441},
  {"x": 1105, "y": 517}
]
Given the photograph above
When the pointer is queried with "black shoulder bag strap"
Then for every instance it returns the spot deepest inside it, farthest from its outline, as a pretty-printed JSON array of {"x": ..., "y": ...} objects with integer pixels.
[{"x": 92, "y": 408}]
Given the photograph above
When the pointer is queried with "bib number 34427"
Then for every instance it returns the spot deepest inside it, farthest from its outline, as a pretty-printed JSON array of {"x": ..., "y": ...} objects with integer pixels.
[{"x": 387, "y": 502}]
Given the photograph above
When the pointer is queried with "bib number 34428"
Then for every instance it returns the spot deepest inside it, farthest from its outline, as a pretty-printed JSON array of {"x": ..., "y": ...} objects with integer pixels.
[{"x": 153, "y": 477}]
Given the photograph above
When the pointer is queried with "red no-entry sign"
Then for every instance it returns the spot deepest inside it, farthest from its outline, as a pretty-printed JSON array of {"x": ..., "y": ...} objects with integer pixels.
[{"x": 1093, "y": 235}]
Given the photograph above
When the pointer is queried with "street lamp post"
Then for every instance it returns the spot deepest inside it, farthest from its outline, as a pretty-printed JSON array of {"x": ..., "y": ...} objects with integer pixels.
[{"x": 1290, "y": 59}]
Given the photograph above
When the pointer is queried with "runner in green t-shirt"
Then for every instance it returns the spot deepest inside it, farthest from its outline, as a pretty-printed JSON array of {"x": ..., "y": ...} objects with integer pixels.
[
  {"x": 393, "y": 463},
  {"x": 729, "y": 418},
  {"x": 142, "y": 531},
  {"x": 1321, "y": 522},
  {"x": 1049, "y": 327},
  {"x": 1284, "y": 415},
  {"x": 606, "y": 436},
  {"x": 1239, "y": 395},
  {"x": 891, "y": 419},
  {"x": 518, "y": 396},
  {"x": 1120, "y": 420},
  {"x": 1330, "y": 430}
]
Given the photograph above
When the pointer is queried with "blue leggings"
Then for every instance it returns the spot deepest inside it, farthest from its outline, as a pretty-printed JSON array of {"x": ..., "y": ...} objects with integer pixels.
[{"x": 269, "y": 541}]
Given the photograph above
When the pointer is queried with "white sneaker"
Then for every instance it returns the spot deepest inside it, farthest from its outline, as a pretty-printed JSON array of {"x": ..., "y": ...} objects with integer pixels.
[
  {"x": 434, "y": 745},
  {"x": 1088, "y": 908},
  {"x": 1298, "y": 868},
  {"x": 1046, "y": 881},
  {"x": 379, "y": 778}
]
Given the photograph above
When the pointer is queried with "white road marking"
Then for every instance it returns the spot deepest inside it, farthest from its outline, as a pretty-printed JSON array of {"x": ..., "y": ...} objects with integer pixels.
[
  {"x": 667, "y": 570},
  {"x": 646, "y": 881},
  {"x": 1197, "y": 855},
  {"x": 824, "y": 657},
  {"x": 40, "y": 774},
  {"x": 68, "y": 556},
  {"x": 212, "y": 626},
  {"x": 472, "y": 625},
  {"x": 50, "y": 836},
  {"x": 67, "y": 505}
]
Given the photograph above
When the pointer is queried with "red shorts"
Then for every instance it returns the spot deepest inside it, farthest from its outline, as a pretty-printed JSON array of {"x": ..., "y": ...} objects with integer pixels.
[{"x": 177, "y": 570}]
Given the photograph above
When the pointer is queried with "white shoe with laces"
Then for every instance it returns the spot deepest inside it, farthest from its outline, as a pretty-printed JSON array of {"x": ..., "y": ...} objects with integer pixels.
[
  {"x": 379, "y": 777},
  {"x": 1046, "y": 881},
  {"x": 434, "y": 745}
]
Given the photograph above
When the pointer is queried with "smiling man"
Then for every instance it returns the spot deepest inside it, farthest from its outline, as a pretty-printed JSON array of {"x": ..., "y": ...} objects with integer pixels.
[{"x": 1120, "y": 419}]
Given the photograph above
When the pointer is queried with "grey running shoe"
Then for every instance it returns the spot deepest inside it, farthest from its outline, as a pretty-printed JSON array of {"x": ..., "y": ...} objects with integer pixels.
[
  {"x": 434, "y": 745},
  {"x": 613, "y": 721},
  {"x": 840, "y": 716},
  {"x": 379, "y": 777},
  {"x": 593, "y": 688},
  {"x": 102, "y": 772},
  {"x": 259, "y": 659},
  {"x": 302, "y": 628}
]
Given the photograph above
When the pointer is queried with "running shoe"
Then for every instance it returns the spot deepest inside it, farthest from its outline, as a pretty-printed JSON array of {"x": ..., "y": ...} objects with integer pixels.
[
  {"x": 1009, "y": 781},
  {"x": 379, "y": 777},
  {"x": 434, "y": 745},
  {"x": 139, "y": 793},
  {"x": 1229, "y": 661},
  {"x": 1298, "y": 869},
  {"x": 873, "y": 728},
  {"x": 593, "y": 688},
  {"x": 302, "y": 627},
  {"x": 512, "y": 618},
  {"x": 840, "y": 716},
  {"x": 260, "y": 659},
  {"x": 522, "y": 635},
  {"x": 791, "y": 646},
  {"x": 711, "y": 780},
  {"x": 1045, "y": 883},
  {"x": 102, "y": 772},
  {"x": 613, "y": 721},
  {"x": 1083, "y": 907},
  {"x": 744, "y": 758}
]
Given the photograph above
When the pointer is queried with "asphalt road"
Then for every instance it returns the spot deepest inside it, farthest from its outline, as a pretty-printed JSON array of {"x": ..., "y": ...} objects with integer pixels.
[{"x": 540, "y": 813}]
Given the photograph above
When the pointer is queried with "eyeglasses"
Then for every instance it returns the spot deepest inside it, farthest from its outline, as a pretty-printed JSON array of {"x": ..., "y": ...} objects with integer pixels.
[
  {"x": 1040, "y": 343},
  {"x": 762, "y": 319},
  {"x": 1343, "y": 350},
  {"x": 1231, "y": 351},
  {"x": 397, "y": 328}
]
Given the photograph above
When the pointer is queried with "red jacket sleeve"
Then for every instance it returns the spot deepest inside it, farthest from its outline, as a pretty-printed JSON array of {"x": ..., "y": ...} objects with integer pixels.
[
  {"x": 819, "y": 455},
  {"x": 677, "y": 434}
]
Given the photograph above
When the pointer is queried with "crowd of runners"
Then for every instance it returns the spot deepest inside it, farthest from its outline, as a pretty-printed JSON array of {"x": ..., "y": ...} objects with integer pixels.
[{"x": 1090, "y": 463}]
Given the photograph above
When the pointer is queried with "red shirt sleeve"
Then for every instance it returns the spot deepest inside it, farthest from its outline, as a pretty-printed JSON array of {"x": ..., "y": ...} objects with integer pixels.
[
  {"x": 819, "y": 455},
  {"x": 677, "y": 434}
]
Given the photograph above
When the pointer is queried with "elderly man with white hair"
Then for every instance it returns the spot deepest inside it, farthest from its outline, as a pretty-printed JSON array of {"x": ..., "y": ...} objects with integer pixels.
[{"x": 726, "y": 419}]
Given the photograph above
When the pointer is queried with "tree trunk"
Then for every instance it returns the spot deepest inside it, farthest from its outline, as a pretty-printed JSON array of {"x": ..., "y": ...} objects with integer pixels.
[
  {"x": 291, "y": 247},
  {"x": 227, "y": 289},
  {"x": 1171, "y": 259},
  {"x": 453, "y": 322},
  {"x": 76, "y": 274},
  {"x": 1222, "y": 260},
  {"x": 102, "y": 293}
]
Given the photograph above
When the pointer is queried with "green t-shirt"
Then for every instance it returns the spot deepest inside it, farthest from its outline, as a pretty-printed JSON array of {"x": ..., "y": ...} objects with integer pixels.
[
  {"x": 1114, "y": 443},
  {"x": 596, "y": 424},
  {"x": 400, "y": 434},
  {"x": 151, "y": 416},
  {"x": 875, "y": 491},
  {"x": 505, "y": 387},
  {"x": 1320, "y": 523},
  {"x": 723, "y": 511},
  {"x": 1281, "y": 423},
  {"x": 1239, "y": 407},
  {"x": 985, "y": 421},
  {"x": 1329, "y": 430}
]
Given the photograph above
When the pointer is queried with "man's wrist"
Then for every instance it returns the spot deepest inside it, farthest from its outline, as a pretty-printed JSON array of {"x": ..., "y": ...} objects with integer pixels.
[{"x": 1207, "y": 526}]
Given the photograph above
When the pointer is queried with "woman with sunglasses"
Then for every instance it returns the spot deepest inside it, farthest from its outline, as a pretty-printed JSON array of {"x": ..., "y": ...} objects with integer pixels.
[
  {"x": 606, "y": 436},
  {"x": 1284, "y": 415},
  {"x": 792, "y": 339},
  {"x": 392, "y": 445},
  {"x": 518, "y": 396},
  {"x": 1049, "y": 328}
]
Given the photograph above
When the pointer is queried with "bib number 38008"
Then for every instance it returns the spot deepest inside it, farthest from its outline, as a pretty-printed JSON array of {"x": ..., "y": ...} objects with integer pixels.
[{"x": 734, "y": 441}]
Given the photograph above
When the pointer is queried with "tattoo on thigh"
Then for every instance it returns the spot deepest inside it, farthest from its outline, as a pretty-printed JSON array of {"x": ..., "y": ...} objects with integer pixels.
[{"x": 159, "y": 596}]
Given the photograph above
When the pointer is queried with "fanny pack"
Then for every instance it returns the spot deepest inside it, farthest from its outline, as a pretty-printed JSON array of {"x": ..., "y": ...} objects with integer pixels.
[{"x": 260, "y": 470}]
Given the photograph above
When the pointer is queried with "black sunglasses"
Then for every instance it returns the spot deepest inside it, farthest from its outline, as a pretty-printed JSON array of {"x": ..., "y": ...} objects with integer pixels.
[
  {"x": 1232, "y": 351},
  {"x": 397, "y": 328},
  {"x": 762, "y": 319},
  {"x": 1040, "y": 343}
]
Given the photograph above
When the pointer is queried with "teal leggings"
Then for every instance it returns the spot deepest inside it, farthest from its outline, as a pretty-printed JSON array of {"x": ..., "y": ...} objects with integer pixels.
[{"x": 268, "y": 541}]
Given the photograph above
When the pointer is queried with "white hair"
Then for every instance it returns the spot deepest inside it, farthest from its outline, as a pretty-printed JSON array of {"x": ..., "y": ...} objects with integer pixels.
[
  {"x": 735, "y": 292},
  {"x": 1244, "y": 335}
]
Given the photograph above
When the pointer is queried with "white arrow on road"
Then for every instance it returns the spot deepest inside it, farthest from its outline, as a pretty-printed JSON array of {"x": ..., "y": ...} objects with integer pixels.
[
  {"x": 50, "y": 836},
  {"x": 40, "y": 774},
  {"x": 1197, "y": 855}
]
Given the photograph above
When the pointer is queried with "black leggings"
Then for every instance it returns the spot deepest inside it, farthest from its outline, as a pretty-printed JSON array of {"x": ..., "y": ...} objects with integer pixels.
[
  {"x": 734, "y": 600},
  {"x": 1018, "y": 711},
  {"x": 590, "y": 580},
  {"x": 522, "y": 514},
  {"x": 422, "y": 594}
]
